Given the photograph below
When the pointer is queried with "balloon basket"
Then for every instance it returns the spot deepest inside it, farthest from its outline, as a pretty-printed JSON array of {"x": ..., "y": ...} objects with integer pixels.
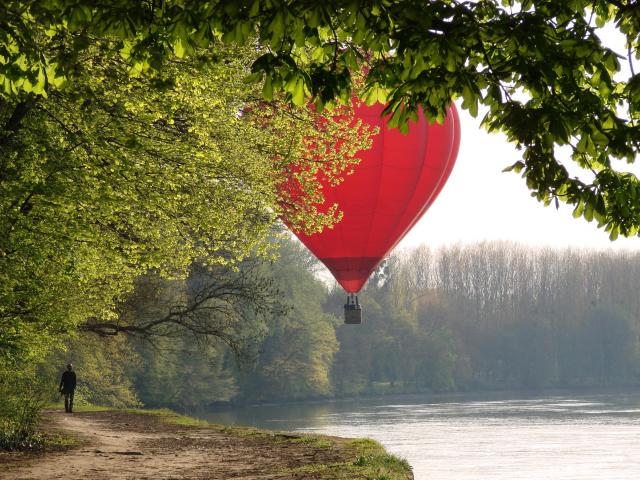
[{"x": 352, "y": 311}]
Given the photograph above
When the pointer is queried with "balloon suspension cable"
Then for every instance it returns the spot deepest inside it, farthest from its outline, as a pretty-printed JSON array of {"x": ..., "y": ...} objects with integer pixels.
[{"x": 352, "y": 301}]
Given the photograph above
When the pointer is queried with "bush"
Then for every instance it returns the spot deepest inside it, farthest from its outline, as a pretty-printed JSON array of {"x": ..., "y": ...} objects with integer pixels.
[{"x": 22, "y": 398}]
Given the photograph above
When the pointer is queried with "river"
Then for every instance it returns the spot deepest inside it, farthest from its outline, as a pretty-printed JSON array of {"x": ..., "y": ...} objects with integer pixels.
[{"x": 491, "y": 436}]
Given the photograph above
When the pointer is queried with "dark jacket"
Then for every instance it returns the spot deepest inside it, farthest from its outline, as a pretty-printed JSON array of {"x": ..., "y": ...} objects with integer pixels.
[{"x": 68, "y": 382}]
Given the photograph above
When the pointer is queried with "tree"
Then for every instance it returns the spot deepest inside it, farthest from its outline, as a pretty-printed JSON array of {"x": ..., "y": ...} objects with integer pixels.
[
  {"x": 184, "y": 373},
  {"x": 298, "y": 349},
  {"x": 539, "y": 66},
  {"x": 121, "y": 176},
  {"x": 258, "y": 333},
  {"x": 610, "y": 345},
  {"x": 228, "y": 304}
]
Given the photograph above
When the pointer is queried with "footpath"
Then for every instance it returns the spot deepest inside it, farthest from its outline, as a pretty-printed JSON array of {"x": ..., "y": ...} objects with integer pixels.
[{"x": 126, "y": 445}]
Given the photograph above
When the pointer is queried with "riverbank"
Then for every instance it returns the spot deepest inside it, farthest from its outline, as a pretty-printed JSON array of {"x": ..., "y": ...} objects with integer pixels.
[
  {"x": 160, "y": 444},
  {"x": 425, "y": 395}
]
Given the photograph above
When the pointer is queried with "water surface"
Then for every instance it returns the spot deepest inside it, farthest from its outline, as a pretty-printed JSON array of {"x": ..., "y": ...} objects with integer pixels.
[{"x": 560, "y": 437}]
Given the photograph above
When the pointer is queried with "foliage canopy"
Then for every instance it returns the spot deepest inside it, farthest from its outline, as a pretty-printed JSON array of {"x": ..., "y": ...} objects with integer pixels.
[
  {"x": 116, "y": 176},
  {"x": 539, "y": 67}
]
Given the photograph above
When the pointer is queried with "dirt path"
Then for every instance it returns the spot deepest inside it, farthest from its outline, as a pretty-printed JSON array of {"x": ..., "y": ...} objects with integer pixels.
[{"x": 119, "y": 445}]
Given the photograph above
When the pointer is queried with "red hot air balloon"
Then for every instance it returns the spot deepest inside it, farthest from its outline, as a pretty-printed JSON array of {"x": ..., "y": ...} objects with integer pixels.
[{"x": 394, "y": 184}]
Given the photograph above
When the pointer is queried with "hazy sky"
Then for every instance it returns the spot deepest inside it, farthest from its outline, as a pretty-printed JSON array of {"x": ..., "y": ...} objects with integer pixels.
[{"x": 479, "y": 202}]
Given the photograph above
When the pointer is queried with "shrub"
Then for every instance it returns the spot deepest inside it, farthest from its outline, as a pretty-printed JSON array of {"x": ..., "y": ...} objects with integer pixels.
[{"x": 22, "y": 398}]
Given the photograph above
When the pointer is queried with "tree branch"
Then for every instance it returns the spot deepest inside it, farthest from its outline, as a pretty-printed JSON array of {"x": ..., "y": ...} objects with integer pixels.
[{"x": 221, "y": 304}]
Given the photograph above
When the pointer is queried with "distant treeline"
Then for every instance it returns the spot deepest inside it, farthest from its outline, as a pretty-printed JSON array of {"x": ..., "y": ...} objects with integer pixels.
[{"x": 484, "y": 316}]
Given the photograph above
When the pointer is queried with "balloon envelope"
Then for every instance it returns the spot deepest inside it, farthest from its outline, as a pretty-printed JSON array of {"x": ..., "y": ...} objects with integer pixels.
[{"x": 394, "y": 184}]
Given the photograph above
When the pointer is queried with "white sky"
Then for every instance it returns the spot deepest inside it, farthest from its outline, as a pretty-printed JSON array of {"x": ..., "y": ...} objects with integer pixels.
[{"x": 480, "y": 202}]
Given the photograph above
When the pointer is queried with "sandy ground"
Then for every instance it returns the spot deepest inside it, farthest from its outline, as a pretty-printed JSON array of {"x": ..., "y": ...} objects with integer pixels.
[{"x": 118, "y": 445}]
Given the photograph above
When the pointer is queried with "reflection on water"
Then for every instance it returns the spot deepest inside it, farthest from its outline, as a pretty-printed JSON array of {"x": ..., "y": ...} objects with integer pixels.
[{"x": 559, "y": 437}]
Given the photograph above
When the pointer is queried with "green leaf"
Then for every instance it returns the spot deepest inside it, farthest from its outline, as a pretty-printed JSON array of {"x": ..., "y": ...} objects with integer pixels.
[
  {"x": 516, "y": 167},
  {"x": 298, "y": 96},
  {"x": 577, "y": 212},
  {"x": 470, "y": 101},
  {"x": 179, "y": 48},
  {"x": 613, "y": 235},
  {"x": 588, "y": 212},
  {"x": 267, "y": 88},
  {"x": 599, "y": 138},
  {"x": 255, "y": 8}
]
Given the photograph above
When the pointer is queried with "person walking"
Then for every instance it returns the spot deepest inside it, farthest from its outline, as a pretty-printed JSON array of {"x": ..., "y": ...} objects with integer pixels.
[{"x": 68, "y": 387}]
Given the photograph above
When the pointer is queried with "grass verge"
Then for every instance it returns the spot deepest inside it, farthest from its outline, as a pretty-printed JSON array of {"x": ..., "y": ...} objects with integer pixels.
[
  {"x": 372, "y": 462},
  {"x": 368, "y": 458}
]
